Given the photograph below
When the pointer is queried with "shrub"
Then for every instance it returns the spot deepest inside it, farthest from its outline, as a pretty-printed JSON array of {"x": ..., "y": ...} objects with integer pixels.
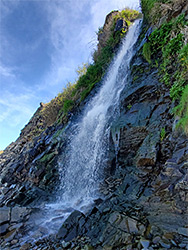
[
  {"x": 147, "y": 6},
  {"x": 68, "y": 104},
  {"x": 181, "y": 110},
  {"x": 183, "y": 56},
  {"x": 128, "y": 14},
  {"x": 147, "y": 52}
]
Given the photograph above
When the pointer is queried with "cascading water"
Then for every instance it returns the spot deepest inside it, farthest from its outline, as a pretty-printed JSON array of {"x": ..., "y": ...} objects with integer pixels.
[
  {"x": 85, "y": 156},
  {"x": 84, "y": 160}
]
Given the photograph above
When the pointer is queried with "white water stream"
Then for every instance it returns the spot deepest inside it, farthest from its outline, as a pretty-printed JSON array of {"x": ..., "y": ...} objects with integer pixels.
[{"x": 86, "y": 154}]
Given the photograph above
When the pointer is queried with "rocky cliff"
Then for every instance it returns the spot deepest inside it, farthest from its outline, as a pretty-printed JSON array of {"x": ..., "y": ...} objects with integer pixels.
[{"x": 144, "y": 204}]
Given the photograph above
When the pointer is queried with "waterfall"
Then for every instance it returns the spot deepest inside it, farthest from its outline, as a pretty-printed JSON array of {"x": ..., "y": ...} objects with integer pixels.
[
  {"x": 86, "y": 154},
  {"x": 82, "y": 164}
]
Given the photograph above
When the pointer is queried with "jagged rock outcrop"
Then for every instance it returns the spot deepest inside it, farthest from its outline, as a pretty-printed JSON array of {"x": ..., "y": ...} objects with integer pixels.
[
  {"x": 105, "y": 32},
  {"x": 144, "y": 203}
]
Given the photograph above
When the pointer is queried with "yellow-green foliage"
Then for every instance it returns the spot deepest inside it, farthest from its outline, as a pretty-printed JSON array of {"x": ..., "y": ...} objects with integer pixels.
[
  {"x": 182, "y": 110},
  {"x": 183, "y": 57},
  {"x": 82, "y": 70},
  {"x": 128, "y": 14},
  {"x": 67, "y": 92},
  {"x": 162, "y": 134},
  {"x": 100, "y": 31},
  {"x": 57, "y": 103}
]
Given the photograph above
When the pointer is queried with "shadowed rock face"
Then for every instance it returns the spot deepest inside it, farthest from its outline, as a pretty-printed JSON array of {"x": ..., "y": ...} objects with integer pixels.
[
  {"x": 145, "y": 198},
  {"x": 104, "y": 36}
]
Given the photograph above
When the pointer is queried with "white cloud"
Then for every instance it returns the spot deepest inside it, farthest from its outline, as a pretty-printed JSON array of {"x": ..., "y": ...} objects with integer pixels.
[
  {"x": 15, "y": 108},
  {"x": 69, "y": 36},
  {"x": 6, "y": 71}
]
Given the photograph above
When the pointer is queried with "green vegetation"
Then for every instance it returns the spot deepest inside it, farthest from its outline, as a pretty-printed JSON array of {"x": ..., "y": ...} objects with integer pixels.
[
  {"x": 167, "y": 48},
  {"x": 181, "y": 110},
  {"x": 47, "y": 157},
  {"x": 100, "y": 31},
  {"x": 128, "y": 15},
  {"x": 129, "y": 106},
  {"x": 152, "y": 9},
  {"x": 147, "y": 6},
  {"x": 58, "y": 133},
  {"x": 147, "y": 52},
  {"x": 162, "y": 134},
  {"x": 67, "y": 106}
]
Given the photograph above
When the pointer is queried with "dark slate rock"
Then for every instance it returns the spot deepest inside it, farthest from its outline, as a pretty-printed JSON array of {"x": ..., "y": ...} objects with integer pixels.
[
  {"x": 147, "y": 153},
  {"x": 3, "y": 229},
  {"x": 62, "y": 232},
  {"x": 4, "y": 215},
  {"x": 120, "y": 24},
  {"x": 70, "y": 227},
  {"x": 18, "y": 213},
  {"x": 72, "y": 234}
]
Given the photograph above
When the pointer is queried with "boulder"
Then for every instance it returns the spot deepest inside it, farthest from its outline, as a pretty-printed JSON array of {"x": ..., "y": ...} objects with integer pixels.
[{"x": 147, "y": 153}]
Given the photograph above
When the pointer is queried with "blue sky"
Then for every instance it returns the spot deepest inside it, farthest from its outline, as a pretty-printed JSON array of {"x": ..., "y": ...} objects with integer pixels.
[{"x": 42, "y": 43}]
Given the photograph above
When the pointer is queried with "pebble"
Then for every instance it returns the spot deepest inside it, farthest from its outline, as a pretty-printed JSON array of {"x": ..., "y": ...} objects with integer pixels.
[
  {"x": 66, "y": 244},
  {"x": 165, "y": 244},
  {"x": 145, "y": 243},
  {"x": 106, "y": 210},
  {"x": 156, "y": 240},
  {"x": 13, "y": 242}
]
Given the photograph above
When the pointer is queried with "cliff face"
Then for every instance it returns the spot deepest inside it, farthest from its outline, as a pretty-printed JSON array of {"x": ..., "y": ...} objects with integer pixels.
[{"x": 145, "y": 192}]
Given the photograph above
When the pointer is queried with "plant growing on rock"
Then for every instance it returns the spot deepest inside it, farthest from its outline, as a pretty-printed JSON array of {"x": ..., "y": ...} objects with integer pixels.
[
  {"x": 167, "y": 45},
  {"x": 181, "y": 110},
  {"x": 162, "y": 134},
  {"x": 147, "y": 52}
]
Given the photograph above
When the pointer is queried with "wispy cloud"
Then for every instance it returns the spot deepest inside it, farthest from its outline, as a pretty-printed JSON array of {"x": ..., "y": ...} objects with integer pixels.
[
  {"x": 15, "y": 106},
  {"x": 6, "y": 71}
]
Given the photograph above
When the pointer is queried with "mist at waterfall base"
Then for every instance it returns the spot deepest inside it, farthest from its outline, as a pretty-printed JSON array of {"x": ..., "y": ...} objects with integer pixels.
[{"x": 83, "y": 162}]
